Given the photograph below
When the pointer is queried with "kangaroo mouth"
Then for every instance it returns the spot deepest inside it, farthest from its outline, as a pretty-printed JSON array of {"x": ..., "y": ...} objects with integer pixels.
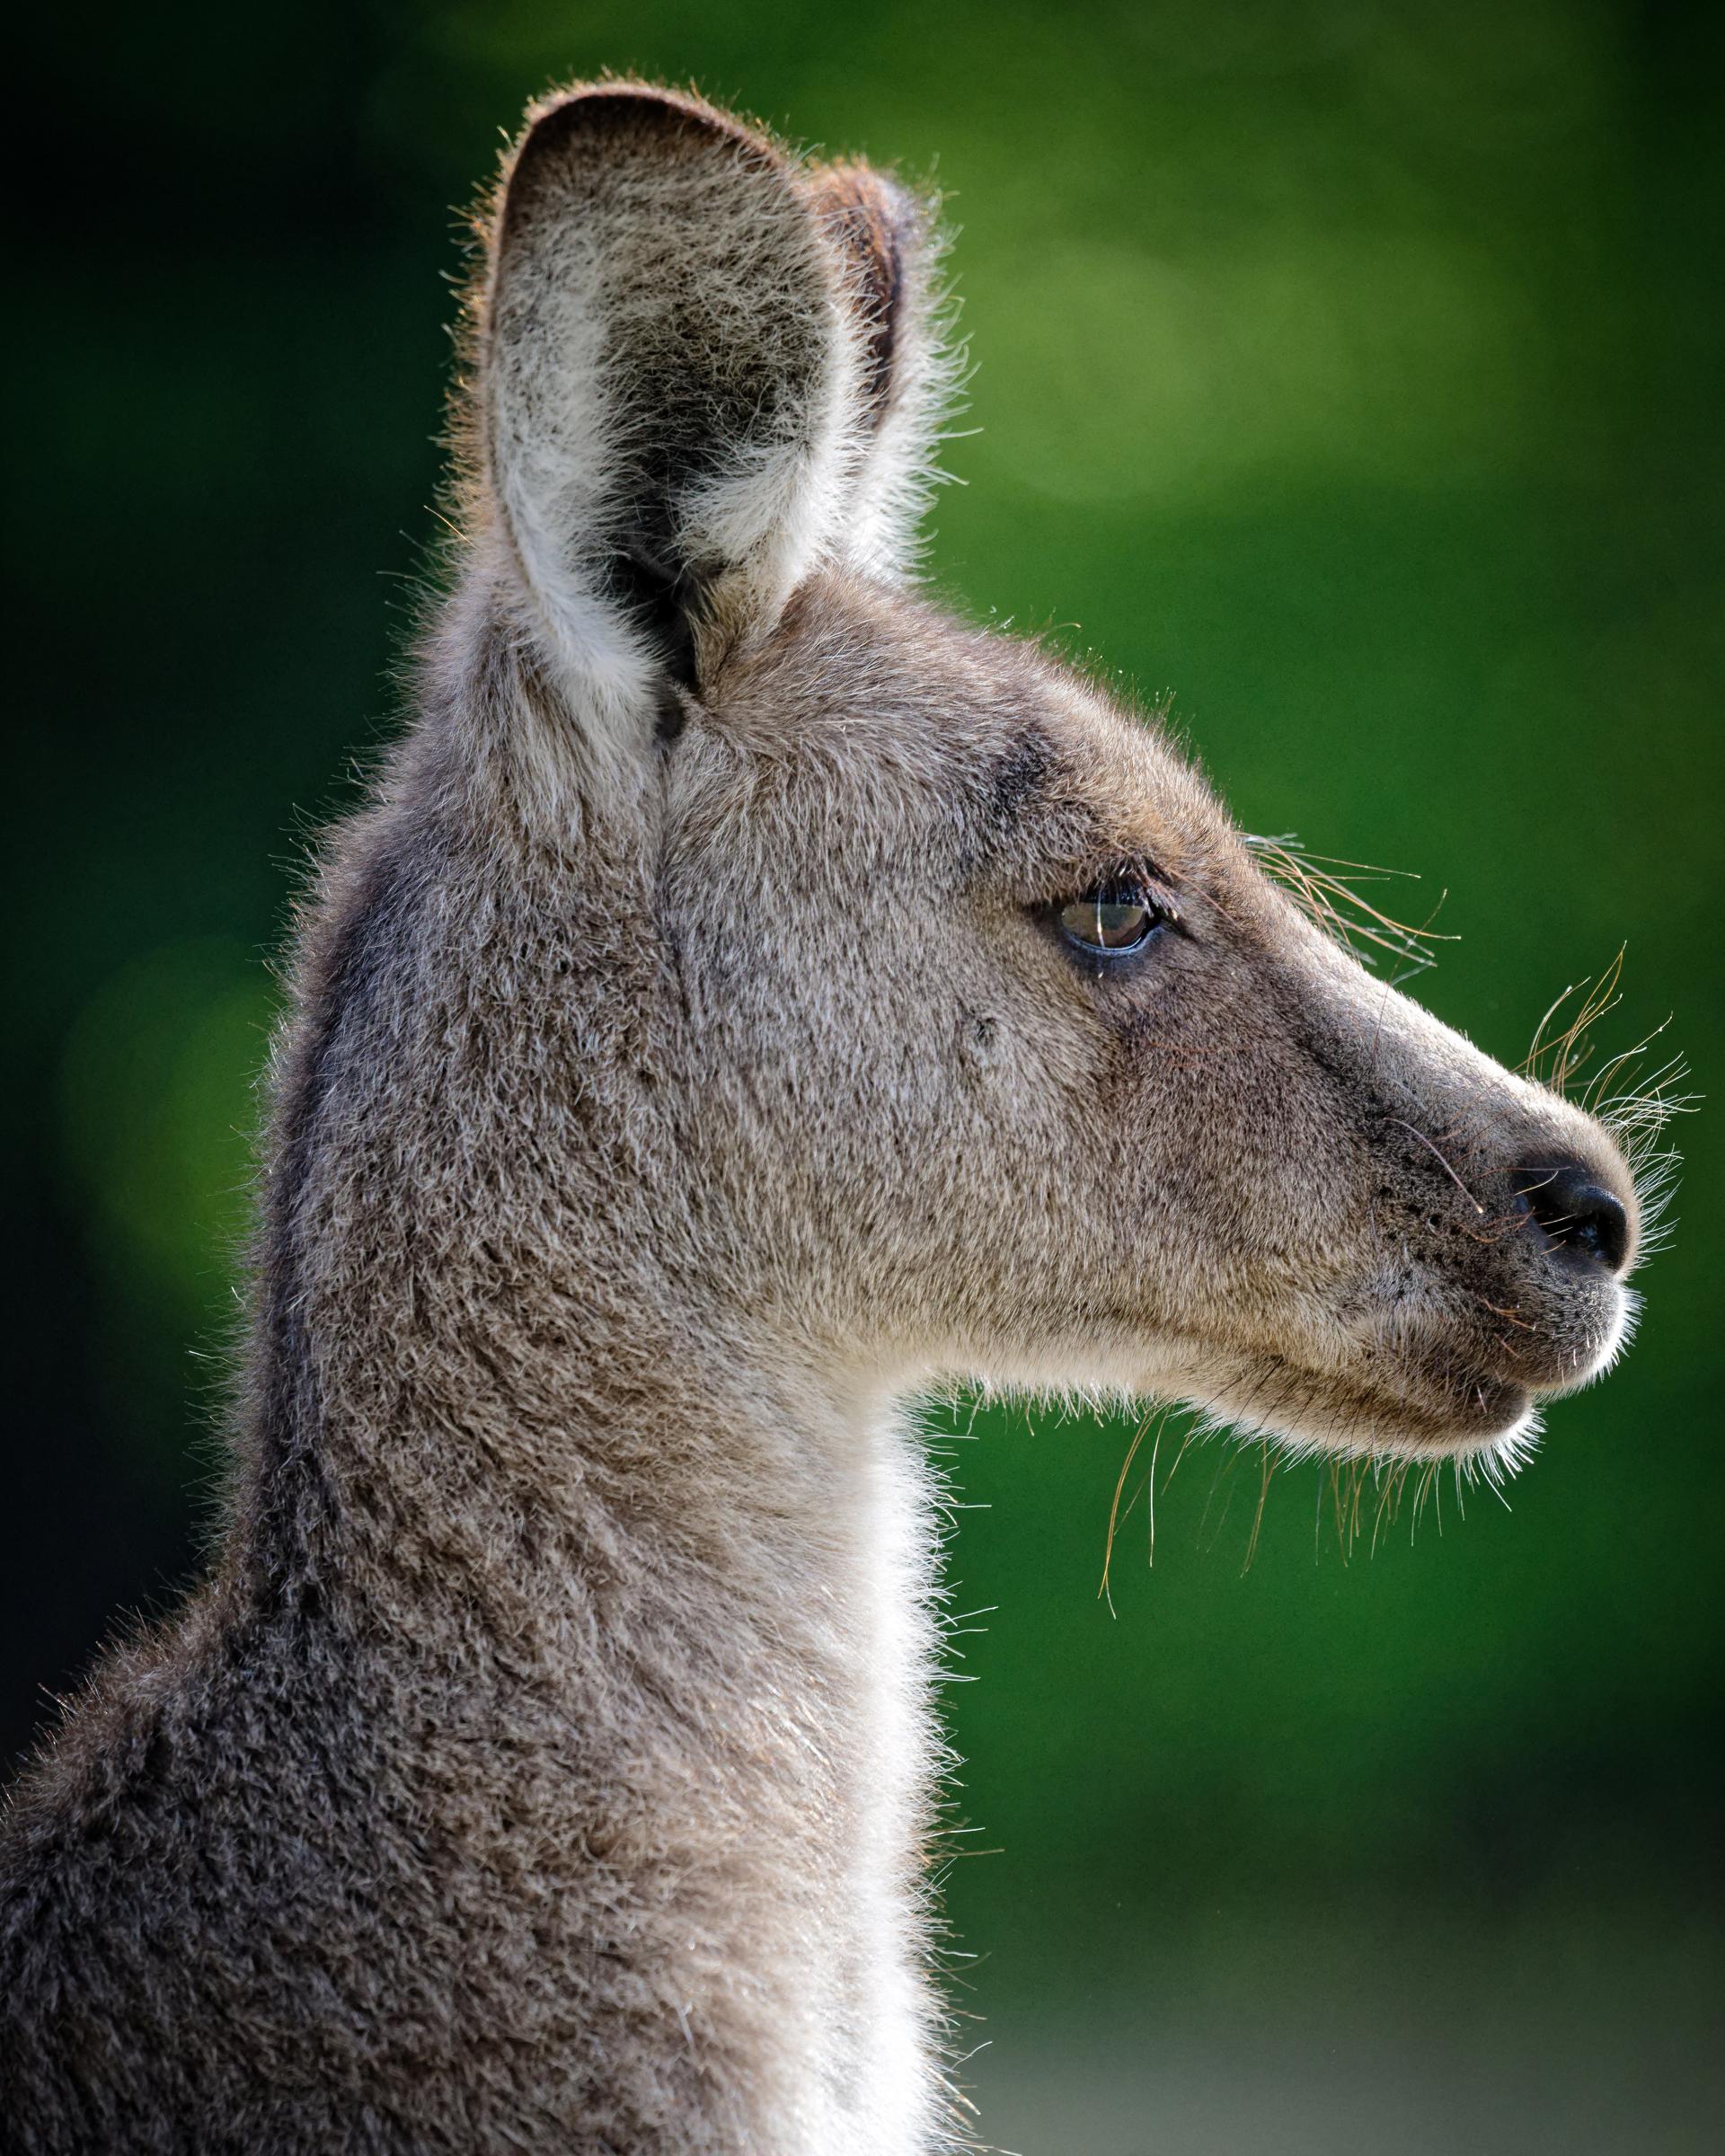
[
  {"x": 1433, "y": 1395},
  {"x": 1436, "y": 1394},
  {"x": 1466, "y": 1383},
  {"x": 1472, "y": 1412},
  {"x": 1371, "y": 1384}
]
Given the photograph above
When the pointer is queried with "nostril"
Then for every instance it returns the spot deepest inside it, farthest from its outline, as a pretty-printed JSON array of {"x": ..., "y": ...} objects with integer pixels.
[{"x": 1577, "y": 1211}]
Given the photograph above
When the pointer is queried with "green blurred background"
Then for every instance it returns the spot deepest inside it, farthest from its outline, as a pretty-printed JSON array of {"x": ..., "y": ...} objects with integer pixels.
[{"x": 1351, "y": 370}]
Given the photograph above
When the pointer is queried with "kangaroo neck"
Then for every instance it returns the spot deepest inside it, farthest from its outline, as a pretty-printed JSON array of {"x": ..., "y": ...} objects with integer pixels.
[{"x": 647, "y": 1630}]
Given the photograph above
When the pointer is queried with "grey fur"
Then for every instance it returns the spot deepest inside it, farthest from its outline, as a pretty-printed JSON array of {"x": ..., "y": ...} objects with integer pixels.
[{"x": 547, "y": 1764}]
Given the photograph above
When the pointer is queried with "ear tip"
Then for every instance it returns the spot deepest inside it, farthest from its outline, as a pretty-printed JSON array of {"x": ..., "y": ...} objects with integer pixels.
[
  {"x": 646, "y": 112},
  {"x": 882, "y": 227},
  {"x": 588, "y": 130},
  {"x": 881, "y": 230},
  {"x": 849, "y": 189}
]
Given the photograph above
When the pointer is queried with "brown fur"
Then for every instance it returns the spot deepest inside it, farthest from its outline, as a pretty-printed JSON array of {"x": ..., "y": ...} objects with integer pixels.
[{"x": 547, "y": 1763}]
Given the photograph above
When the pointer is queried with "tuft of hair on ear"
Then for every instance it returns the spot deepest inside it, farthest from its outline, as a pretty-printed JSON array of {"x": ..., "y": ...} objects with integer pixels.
[{"x": 889, "y": 244}]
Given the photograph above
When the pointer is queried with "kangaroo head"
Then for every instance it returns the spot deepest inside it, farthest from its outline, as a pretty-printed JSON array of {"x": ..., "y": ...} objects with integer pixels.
[{"x": 923, "y": 1004}]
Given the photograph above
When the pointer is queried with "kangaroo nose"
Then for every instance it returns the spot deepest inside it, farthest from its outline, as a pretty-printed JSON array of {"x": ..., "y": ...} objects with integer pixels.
[{"x": 1576, "y": 1211}]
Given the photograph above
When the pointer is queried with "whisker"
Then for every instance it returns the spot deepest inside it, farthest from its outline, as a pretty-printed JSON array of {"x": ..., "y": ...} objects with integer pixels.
[{"x": 1332, "y": 902}]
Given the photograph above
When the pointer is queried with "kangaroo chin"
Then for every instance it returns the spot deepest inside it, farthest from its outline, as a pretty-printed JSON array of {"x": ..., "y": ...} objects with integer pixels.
[{"x": 751, "y": 992}]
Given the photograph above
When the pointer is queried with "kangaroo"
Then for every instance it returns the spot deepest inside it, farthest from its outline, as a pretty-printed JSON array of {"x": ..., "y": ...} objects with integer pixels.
[{"x": 750, "y": 996}]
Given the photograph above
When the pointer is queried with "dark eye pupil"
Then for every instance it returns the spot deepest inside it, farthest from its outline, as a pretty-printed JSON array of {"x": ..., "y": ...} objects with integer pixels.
[{"x": 1115, "y": 916}]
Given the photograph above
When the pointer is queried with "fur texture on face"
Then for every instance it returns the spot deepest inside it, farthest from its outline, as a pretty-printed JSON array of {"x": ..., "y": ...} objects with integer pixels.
[
  {"x": 1236, "y": 1169},
  {"x": 695, "y": 1049}
]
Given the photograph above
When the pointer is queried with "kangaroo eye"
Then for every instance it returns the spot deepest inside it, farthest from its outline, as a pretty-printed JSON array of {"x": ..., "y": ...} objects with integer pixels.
[{"x": 1115, "y": 917}]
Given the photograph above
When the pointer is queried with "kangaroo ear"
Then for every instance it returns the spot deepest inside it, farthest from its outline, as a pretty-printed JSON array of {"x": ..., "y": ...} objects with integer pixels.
[
  {"x": 670, "y": 383},
  {"x": 889, "y": 245}
]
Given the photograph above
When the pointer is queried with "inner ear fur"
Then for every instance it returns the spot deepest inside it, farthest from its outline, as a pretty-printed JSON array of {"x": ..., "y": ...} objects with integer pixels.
[
  {"x": 889, "y": 244},
  {"x": 667, "y": 378},
  {"x": 695, "y": 366}
]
